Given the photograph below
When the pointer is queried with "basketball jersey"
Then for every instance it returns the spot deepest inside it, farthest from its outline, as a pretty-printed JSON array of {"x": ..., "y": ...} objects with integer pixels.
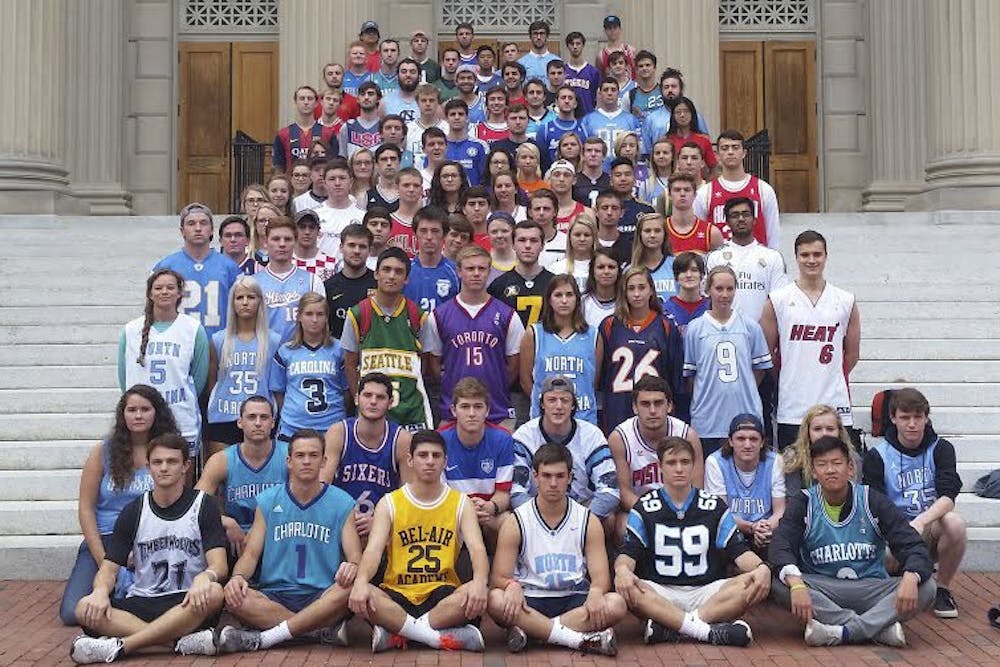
[
  {"x": 167, "y": 368},
  {"x": 282, "y": 294},
  {"x": 680, "y": 546},
  {"x": 852, "y": 548},
  {"x": 244, "y": 482},
  {"x": 239, "y": 381},
  {"x": 629, "y": 355},
  {"x": 430, "y": 286},
  {"x": 698, "y": 240},
  {"x": 718, "y": 196},
  {"x": 402, "y": 235},
  {"x": 595, "y": 310},
  {"x": 663, "y": 278},
  {"x": 572, "y": 357},
  {"x": 424, "y": 542},
  {"x": 643, "y": 462},
  {"x": 482, "y": 470},
  {"x": 722, "y": 359},
  {"x": 811, "y": 344},
  {"x": 759, "y": 271},
  {"x": 302, "y": 549},
  {"x": 564, "y": 221},
  {"x": 356, "y": 135},
  {"x": 367, "y": 474},
  {"x": 206, "y": 286},
  {"x": 167, "y": 555},
  {"x": 523, "y": 295},
  {"x": 552, "y": 561},
  {"x": 490, "y": 133},
  {"x": 110, "y": 500},
  {"x": 352, "y": 81},
  {"x": 750, "y": 502},
  {"x": 909, "y": 480},
  {"x": 314, "y": 386}
]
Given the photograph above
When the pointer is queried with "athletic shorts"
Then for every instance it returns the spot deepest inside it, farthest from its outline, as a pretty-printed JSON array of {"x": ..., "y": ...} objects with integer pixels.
[
  {"x": 553, "y": 606},
  {"x": 687, "y": 598},
  {"x": 293, "y": 602},
  {"x": 931, "y": 540},
  {"x": 149, "y": 609},
  {"x": 227, "y": 433},
  {"x": 418, "y": 610}
]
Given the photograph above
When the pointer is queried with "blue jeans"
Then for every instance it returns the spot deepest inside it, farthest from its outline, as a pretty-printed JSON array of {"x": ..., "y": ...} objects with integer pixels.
[{"x": 81, "y": 581}]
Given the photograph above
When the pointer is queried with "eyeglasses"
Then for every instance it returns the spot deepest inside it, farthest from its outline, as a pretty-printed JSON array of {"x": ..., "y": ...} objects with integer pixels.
[
  {"x": 255, "y": 200},
  {"x": 740, "y": 215}
]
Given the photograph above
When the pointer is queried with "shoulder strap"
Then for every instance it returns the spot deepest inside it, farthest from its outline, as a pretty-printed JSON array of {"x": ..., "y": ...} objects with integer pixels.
[
  {"x": 364, "y": 319},
  {"x": 413, "y": 314}
]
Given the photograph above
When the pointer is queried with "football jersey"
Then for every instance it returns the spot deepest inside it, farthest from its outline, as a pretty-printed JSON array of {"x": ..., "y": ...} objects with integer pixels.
[
  {"x": 643, "y": 102},
  {"x": 523, "y": 295},
  {"x": 367, "y": 473},
  {"x": 282, "y": 294},
  {"x": 909, "y": 480},
  {"x": 206, "y": 286},
  {"x": 759, "y": 271},
  {"x": 342, "y": 293},
  {"x": 430, "y": 286},
  {"x": 572, "y": 357},
  {"x": 750, "y": 501},
  {"x": 302, "y": 549},
  {"x": 852, "y": 548},
  {"x": 239, "y": 380},
  {"x": 609, "y": 127},
  {"x": 481, "y": 470},
  {"x": 811, "y": 344},
  {"x": 690, "y": 545},
  {"x": 552, "y": 560},
  {"x": 424, "y": 542},
  {"x": 595, "y": 310},
  {"x": 312, "y": 380},
  {"x": 244, "y": 482},
  {"x": 643, "y": 462},
  {"x": 698, "y": 240},
  {"x": 167, "y": 554}
]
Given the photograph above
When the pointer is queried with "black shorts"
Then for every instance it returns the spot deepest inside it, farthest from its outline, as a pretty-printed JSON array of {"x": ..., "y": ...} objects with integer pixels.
[
  {"x": 227, "y": 433},
  {"x": 550, "y": 607},
  {"x": 149, "y": 609},
  {"x": 418, "y": 610}
]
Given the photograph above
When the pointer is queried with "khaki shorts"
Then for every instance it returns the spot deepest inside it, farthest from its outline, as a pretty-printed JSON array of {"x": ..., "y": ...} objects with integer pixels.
[{"x": 687, "y": 598}]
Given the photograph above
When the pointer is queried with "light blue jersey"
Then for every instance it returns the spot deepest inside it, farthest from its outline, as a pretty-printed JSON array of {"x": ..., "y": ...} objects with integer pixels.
[
  {"x": 664, "y": 281},
  {"x": 574, "y": 357},
  {"x": 395, "y": 104},
  {"x": 753, "y": 502},
  {"x": 239, "y": 381},
  {"x": 549, "y": 134},
  {"x": 314, "y": 385},
  {"x": 852, "y": 548},
  {"x": 430, "y": 286},
  {"x": 282, "y": 294},
  {"x": 206, "y": 286},
  {"x": 608, "y": 127},
  {"x": 722, "y": 359},
  {"x": 244, "y": 482},
  {"x": 302, "y": 548},
  {"x": 535, "y": 125},
  {"x": 909, "y": 480}
]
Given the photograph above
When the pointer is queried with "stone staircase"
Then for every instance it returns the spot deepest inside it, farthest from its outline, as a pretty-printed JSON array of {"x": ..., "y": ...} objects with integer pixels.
[{"x": 70, "y": 283}]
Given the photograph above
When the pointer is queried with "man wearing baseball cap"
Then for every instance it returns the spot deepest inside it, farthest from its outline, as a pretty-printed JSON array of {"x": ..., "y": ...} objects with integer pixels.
[
  {"x": 307, "y": 254},
  {"x": 370, "y": 37},
  {"x": 613, "y": 31},
  {"x": 430, "y": 70}
]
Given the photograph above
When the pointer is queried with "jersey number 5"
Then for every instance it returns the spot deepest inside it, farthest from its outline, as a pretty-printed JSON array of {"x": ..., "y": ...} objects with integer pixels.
[{"x": 681, "y": 550}]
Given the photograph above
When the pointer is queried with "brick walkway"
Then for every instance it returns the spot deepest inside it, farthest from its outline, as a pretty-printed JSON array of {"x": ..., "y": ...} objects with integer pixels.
[{"x": 30, "y": 634}]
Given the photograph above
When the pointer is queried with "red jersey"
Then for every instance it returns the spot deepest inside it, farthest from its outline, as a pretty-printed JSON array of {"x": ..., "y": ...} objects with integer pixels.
[
  {"x": 698, "y": 240},
  {"x": 704, "y": 142},
  {"x": 563, "y": 222},
  {"x": 401, "y": 235},
  {"x": 348, "y": 109},
  {"x": 489, "y": 133},
  {"x": 483, "y": 241},
  {"x": 374, "y": 61},
  {"x": 720, "y": 195},
  {"x": 603, "y": 54},
  {"x": 290, "y": 144}
]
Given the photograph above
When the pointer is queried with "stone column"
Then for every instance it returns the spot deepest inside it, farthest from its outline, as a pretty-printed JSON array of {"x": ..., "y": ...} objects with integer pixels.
[
  {"x": 94, "y": 85},
  {"x": 32, "y": 144},
  {"x": 963, "y": 127},
  {"x": 683, "y": 34},
  {"x": 897, "y": 78},
  {"x": 313, "y": 33}
]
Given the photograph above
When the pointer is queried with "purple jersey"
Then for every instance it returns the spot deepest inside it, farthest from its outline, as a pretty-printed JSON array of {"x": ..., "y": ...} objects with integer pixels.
[
  {"x": 367, "y": 474},
  {"x": 484, "y": 469},
  {"x": 476, "y": 347}
]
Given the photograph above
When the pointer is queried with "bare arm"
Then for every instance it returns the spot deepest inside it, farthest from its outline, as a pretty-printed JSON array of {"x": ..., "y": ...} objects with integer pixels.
[
  {"x": 473, "y": 538},
  {"x": 334, "y": 450},
  {"x": 505, "y": 558},
  {"x": 527, "y": 361},
  {"x": 402, "y": 454},
  {"x": 599, "y": 361},
  {"x": 351, "y": 360},
  {"x": 213, "y": 368},
  {"x": 622, "y": 471},
  {"x": 90, "y": 483},
  {"x": 213, "y": 475},
  {"x": 253, "y": 547},
  {"x": 512, "y": 364},
  {"x": 597, "y": 557},
  {"x": 852, "y": 340},
  {"x": 714, "y": 237},
  {"x": 698, "y": 478},
  {"x": 769, "y": 324},
  {"x": 378, "y": 537}
]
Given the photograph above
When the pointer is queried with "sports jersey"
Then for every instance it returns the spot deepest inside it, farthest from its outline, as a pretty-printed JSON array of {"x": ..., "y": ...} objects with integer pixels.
[
  {"x": 656, "y": 124},
  {"x": 704, "y": 142},
  {"x": 312, "y": 380},
  {"x": 711, "y": 198},
  {"x": 485, "y": 468},
  {"x": 549, "y": 133},
  {"x": 536, "y": 64},
  {"x": 580, "y": 271},
  {"x": 302, "y": 549},
  {"x": 167, "y": 554},
  {"x": 641, "y": 456},
  {"x": 631, "y": 210},
  {"x": 447, "y": 89},
  {"x": 852, "y": 548},
  {"x": 642, "y": 102},
  {"x": 759, "y": 271},
  {"x": 586, "y": 189},
  {"x": 375, "y": 197},
  {"x": 690, "y": 545},
  {"x": 523, "y": 295},
  {"x": 485, "y": 83},
  {"x": 333, "y": 220},
  {"x": 471, "y": 154},
  {"x": 357, "y": 134},
  {"x": 244, "y": 483},
  {"x": 563, "y": 221},
  {"x": 424, "y": 542},
  {"x": 206, "y": 286},
  {"x": 585, "y": 81},
  {"x": 909, "y": 480},
  {"x": 608, "y": 127},
  {"x": 282, "y": 294},
  {"x": 477, "y": 109},
  {"x": 595, "y": 310},
  {"x": 342, "y": 293},
  {"x": 722, "y": 358},
  {"x": 593, "y": 483},
  {"x": 396, "y": 105},
  {"x": 167, "y": 368},
  {"x": 367, "y": 473},
  {"x": 308, "y": 200},
  {"x": 553, "y": 250},
  {"x": 111, "y": 500},
  {"x": 414, "y": 138},
  {"x": 292, "y": 143},
  {"x": 682, "y": 312},
  {"x": 811, "y": 343},
  {"x": 663, "y": 278},
  {"x": 653, "y": 347},
  {"x": 239, "y": 380},
  {"x": 490, "y": 133},
  {"x": 428, "y": 286},
  {"x": 698, "y": 240},
  {"x": 625, "y": 94},
  {"x": 572, "y": 357},
  {"x": 352, "y": 81},
  {"x": 536, "y": 124},
  {"x": 387, "y": 83},
  {"x": 402, "y": 235},
  {"x": 747, "y": 494},
  {"x": 552, "y": 560},
  {"x": 321, "y": 264}
]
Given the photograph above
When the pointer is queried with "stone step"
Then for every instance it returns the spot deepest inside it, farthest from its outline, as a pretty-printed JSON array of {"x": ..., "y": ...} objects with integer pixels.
[
  {"x": 25, "y": 455},
  {"x": 876, "y": 327},
  {"x": 971, "y": 472},
  {"x": 915, "y": 310},
  {"x": 34, "y": 315},
  {"x": 47, "y": 427},
  {"x": 68, "y": 335},
  {"x": 966, "y": 420},
  {"x": 98, "y": 294},
  {"x": 27, "y": 557},
  {"x": 977, "y": 511},
  {"x": 33, "y": 377},
  {"x": 977, "y": 448},
  {"x": 939, "y": 394},
  {"x": 28, "y": 517},
  {"x": 981, "y": 551},
  {"x": 39, "y": 484},
  {"x": 89, "y": 354},
  {"x": 873, "y": 349},
  {"x": 55, "y": 401},
  {"x": 925, "y": 370}
]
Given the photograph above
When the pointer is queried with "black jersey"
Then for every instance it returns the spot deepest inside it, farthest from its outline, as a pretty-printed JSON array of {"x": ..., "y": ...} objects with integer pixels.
[
  {"x": 524, "y": 296},
  {"x": 342, "y": 293}
]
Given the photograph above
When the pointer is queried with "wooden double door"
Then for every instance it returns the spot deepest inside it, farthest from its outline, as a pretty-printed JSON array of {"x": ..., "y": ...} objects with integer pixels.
[
  {"x": 772, "y": 85},
  {"x": 224, "y": 87}
]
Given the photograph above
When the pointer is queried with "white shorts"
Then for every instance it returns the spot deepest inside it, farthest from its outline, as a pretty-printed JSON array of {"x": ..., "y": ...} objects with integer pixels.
[{"x": 687, "y": 598}]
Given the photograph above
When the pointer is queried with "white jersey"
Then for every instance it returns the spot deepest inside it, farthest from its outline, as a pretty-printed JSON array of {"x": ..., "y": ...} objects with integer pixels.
[
  {"x": 415, "y": 136},
  {"x": 167, "y": 368},
  {"x": 553, "y": 250},
  {"x": 332, "y": 222},
  {"x": 552, "y": 560},
  {"x": 759, "y": 271},
  {"x": 811, "y": 344},
  {"x": 643, "y": 462},
  {"x": 167, "y": 554},
  {"x": 595, "y": 310}
]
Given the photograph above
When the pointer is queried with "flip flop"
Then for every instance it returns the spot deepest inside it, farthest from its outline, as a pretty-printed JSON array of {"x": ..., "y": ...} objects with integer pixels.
[{"x": 994, "y": 616}]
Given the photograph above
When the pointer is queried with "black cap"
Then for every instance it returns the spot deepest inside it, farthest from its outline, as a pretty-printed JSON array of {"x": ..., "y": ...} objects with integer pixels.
[
  {"x": 612, "y": 20},
  {"x": 746, "y": 420},
  {"x": 369, "y": 25},
  {"x": 307, "y": 215}
]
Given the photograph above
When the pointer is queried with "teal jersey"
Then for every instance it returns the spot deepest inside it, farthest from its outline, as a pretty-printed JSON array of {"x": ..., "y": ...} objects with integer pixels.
[
  {"x": 244, "y": 482},
  {"x": 852, "y": 548}
]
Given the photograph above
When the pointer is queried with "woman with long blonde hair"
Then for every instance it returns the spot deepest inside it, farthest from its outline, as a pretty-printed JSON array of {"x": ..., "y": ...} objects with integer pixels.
[
  {"x": 819, "y": 420},
  {"x": 651, "y": 249},
  {"x": 581, "y": 244}
]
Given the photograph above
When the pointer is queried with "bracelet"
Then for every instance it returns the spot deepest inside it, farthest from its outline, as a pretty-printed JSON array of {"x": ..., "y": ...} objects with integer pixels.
[
  {"x": 496, "y": 508},
  {"x": 797, "y": 587}
]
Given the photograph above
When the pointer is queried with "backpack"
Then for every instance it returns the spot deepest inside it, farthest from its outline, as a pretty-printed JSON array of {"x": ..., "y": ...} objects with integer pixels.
[
  {"x": 880, "y": 412},
  {"x": 366, "y": 312}
]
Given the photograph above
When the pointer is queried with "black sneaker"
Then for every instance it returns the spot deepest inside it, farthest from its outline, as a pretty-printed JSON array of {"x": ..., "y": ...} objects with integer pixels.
[
  {"x": 736, "y": 633},
  {"x": 658, "y": 634},
  {"x": 944, "y": 604}
]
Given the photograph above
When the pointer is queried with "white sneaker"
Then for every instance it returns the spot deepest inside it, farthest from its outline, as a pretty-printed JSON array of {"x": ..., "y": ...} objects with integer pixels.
[
  {"x": 462, "y": 638},
  {"x": 891, "y": 635},
  {"x": 600, "y": 643},
  {"x": 821, "y": 634},
  {"x": 197, "y": 643},
  {"x": 237, "y": 640},
  {"x": 333, "y": 635},
  {"x": 86, "y": 650}
]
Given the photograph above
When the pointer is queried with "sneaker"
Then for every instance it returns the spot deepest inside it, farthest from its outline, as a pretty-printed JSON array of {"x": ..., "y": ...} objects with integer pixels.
[
  {"x": 736, "y": 633},
  {"x": 197, "y": 643},
  {"x": 891, "y": 635},
  {"x": 236, "y": 640},
  {"x": 821, "y": 634},
  {"x": 333, "y": 635},
  {"x": 463, "y": 638},
  {"x": 86, "y": 650},
  {"x": 600, "y": 643},
  {"x": 517, "y": 639},
  {"x": 658, "y": 634},
  {"x": 944, "y": 604},
  {"x": 383, "y": 640}
]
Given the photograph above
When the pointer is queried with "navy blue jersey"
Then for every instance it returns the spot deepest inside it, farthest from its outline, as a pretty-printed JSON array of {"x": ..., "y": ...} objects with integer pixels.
[{"x": 367, "y": 474}]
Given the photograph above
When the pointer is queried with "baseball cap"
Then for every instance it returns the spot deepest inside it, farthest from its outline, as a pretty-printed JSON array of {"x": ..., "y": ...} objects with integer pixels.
[
  {"x": 558, "y": 383},
  {"x": 746, "y": 420},
  {"x": 369, "y": 25},
  {"x": 560, "y": 165},
  {"x": 419, "y": 33},
  {"x": 612, "y": 20},
  {"x": 307, "y": 215},
  {"x": 466, "y": 67}
]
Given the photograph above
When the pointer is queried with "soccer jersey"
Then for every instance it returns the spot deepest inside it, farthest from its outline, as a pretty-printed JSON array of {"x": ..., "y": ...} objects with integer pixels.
[
  {"x": 302, "y": 549},
  {"x": 312, "y": 380},
  {"x": 471, "y": 154},
  {"x": 552, "y": 562},
  {"x": 244, "y": 482},
  {"x": 698, "y": 239},
  {"x": 282, "y": 294},
  {"x": 711, "y": 198},
  {"x": 722, "y": 358},
  {"x": 548, "y": 134},
  {"x": 239, "y": 379},
  {"x": 321, "y": 264},
  {"x": 343, "y": 292},
  {"x": 536, "y": 124},
  {"x": 522, "y": 294},
  {"x": 747, "y": 494},
  {"x": 333, "y": 221},
  {"x": 811, "y": 343},
  {"x": 643, "y": 462},
  {"x": 852, "y": 548},
  {"x": 356, "y": 134},
  {"x": 485, "y": 468},
  {"x": 909, "y": 480},
  {"x": 365, "y": 472},
  {"x": 424, "y": 542},
  {"x": 430, "y": 286},
  {"x": 759, "y": 271},
  {"x": 206, "y": 286},
  {"x": 572, "y": 357}
]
